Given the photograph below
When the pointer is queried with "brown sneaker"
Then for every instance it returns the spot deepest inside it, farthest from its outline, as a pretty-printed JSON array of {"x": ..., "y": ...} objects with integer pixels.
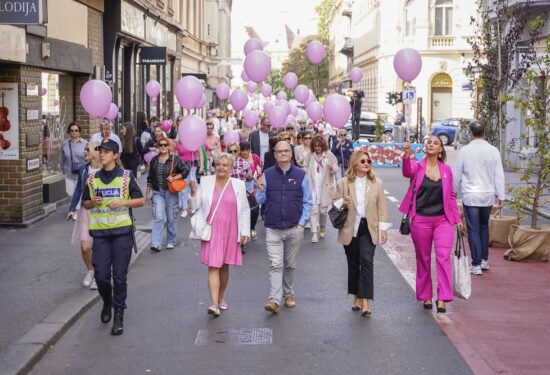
[
  {"x": 289, "y": 301},
  {"x": 272, "y": 307}
]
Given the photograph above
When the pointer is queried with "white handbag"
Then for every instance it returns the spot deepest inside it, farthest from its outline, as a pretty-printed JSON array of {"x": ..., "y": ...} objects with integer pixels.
[
  {"x": 462, "y": 283},
  {"x": 206, "y": 232}
]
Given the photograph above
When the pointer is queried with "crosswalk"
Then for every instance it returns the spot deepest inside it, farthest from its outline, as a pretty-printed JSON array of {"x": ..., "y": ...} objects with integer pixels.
[{"x": 391, "y": 198}]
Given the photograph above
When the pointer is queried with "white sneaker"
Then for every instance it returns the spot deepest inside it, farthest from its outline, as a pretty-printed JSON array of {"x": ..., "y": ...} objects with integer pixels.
[
  {"x": 94, "y": 285},
  {"x": 485, "y": 265},
  {"x": 314, "y": 238},
  {"x": 476, "y": 270},
  {"x": 183, "y": 213},
  {"x": 88, "y": 279},
  {"x": 307, "y": 226},
  {"x": 170, "y": 246}
]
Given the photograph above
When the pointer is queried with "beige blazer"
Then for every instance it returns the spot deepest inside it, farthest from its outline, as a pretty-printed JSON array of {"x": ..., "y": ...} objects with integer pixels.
[
  {"x": 376, "y": 208},
  {"x": 328, "y": 189}
]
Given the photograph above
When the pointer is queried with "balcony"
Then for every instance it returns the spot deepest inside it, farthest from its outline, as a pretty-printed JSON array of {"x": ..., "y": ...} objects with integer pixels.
[
  {"x": 442, "y": 42},
  {"x": 347, "y": 48}
]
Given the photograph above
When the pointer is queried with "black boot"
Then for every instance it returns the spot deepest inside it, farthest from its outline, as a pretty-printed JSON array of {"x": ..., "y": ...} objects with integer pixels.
[
  {"x": 118, "y": 326},
  {"x": 106, "y": 313}
]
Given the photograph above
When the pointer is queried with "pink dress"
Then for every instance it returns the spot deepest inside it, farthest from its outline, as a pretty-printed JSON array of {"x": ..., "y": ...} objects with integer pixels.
[{"x": 223, "y": 247}]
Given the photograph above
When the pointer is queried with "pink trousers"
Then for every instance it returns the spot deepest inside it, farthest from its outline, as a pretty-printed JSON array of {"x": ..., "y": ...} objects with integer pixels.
[{"x": 426, "y": 230}]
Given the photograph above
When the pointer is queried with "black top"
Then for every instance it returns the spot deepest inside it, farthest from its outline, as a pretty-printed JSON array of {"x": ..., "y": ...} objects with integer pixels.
[
  {"x": 108, "y": 176},
  {"x": 158, "y": 172},
  {"x": 429, "y": 200}
]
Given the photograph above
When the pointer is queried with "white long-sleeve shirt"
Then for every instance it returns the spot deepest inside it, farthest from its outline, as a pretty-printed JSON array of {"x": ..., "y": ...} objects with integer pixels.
[
  {"x": 479, "y": 170},
  {"x": 360, "y": 189}
]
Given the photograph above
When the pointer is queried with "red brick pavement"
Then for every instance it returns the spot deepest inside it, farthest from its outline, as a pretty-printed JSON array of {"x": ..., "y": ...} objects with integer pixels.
[{"x": 504, "y": 327}]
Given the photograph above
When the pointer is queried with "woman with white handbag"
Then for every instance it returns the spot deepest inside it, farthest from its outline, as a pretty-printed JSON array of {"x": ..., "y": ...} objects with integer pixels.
[{"x": 222, "y": 223}]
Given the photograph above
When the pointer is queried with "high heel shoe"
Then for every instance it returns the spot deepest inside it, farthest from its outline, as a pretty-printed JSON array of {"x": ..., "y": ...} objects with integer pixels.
[
  {"x": 440, "y": 309},
  {"x": 366, "y": 314},
  {"x": 428, "y": 305}
]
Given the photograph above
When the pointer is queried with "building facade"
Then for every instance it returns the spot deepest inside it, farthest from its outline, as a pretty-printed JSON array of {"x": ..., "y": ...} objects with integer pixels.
[{"x": 340, "y": 49}]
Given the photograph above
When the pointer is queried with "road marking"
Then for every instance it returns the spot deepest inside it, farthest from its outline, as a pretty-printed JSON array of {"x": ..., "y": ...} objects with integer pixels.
[
  {"x": 392, "y": 199},
  {"x": 386, "y": 192}
]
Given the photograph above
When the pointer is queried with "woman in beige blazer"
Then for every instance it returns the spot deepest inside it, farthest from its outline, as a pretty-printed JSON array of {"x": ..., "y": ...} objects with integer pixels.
[
  {"x": 365, "y": 227},
  {"x": 321, "y": 169}
]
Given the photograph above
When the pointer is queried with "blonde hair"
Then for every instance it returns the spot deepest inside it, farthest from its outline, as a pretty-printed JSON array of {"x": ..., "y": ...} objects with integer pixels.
[
  {"x": 355, "y": 158},
  {"x": 95, "y": 162},
  {"x": 233, "y": 144}
]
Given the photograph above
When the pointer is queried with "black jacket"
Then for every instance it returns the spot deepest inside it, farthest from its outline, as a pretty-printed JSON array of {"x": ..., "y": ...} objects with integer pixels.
[{"x": 179, "y": 168}]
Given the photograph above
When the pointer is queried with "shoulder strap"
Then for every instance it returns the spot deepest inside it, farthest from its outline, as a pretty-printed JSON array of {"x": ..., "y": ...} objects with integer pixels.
[
  {"x": 219, "y": 199},
  {"x": 172, "y": 165},
  {"x": 125, "y": 183},
  {"x": 70, "y": 150}
]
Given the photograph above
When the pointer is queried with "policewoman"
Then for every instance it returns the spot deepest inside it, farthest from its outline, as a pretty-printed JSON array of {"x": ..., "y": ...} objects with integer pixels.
[{"x": 111, "y": 192}]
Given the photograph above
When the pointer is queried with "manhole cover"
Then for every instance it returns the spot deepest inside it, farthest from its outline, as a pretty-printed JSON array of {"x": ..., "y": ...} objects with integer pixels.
[{"x": 242, "y": 336}]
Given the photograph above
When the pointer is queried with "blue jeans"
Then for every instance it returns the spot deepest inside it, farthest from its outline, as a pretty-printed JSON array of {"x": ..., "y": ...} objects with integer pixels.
[
  {"x": 477, "y": 221},
  {"x": 165, "y": 209},
  {"x": 184, "y": 194}
]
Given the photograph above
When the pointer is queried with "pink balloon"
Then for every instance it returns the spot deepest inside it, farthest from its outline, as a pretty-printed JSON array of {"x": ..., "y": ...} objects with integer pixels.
[
  {"x": 149, "y": 156},
  {"x": 166, "y": 125},
  {"x": 244, "y": 76},
  {"x": 251, "y": 119},
  {"x": 407, "y": 63},
  {"x": 112, "y": 113},
  {"x": 293, "y": 109},
  {"x": 257, "y": 65},
  {"x": 268, "y": 106},
  {"x": 277, "y": 116},
  {"x": 356, "y": 75},
  {"x": 202, "y": 102},
  {"x": 239, "y": 99},
  {"x": 189, "y": 92},
  {"x": 55, "y": 102},
  {"x": 43, "y": 91},
  {"x": 231, "y": 137},
  {"x": 266, "y": 89},
  {"x": 281, "y": 95},
  {"x": 154, "y": 109},
  {"x": 252, "y": 44},
  {"x": 285, "y": 105},
  {"x": 315, "y": 52},
  {"x": 315, "y": 111},
  {"x": 337, "y": 110},
  {"x": 290, "y": 80},
  {"x": 95, "y": 97},
  {"x": 192, "y": 132},
  {"x": 152, "y": 88},
  {"x": 222, "y": 91},
  {"x": 311, "y": 98},
  {"x": 251, "y": 87},
  {"x": 154, "y": 99},
  {"x": 301, "y": 93}
]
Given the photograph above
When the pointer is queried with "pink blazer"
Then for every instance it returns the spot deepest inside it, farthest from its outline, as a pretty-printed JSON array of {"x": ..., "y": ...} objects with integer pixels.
[{"x": 412, "y": 168}]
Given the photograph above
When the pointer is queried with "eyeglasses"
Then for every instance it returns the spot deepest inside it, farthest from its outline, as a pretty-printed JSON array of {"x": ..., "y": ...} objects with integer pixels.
[
  {"x": 163, "y": 144},
  {"x": 234, "y": 151},
  {"x": 290, "y": 128},
  {"x": 307, "y": 137},
  {"x": 282, "y": 151},
  {"x": 74, "y": 130},
  {"x": 342, "y": 135},
  {"x": 286, "y": 139},
  {"x": 368, "y": 161}
]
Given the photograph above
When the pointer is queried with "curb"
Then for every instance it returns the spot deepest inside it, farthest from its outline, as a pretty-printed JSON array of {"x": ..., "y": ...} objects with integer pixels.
[{"x": 20, "y": 357}]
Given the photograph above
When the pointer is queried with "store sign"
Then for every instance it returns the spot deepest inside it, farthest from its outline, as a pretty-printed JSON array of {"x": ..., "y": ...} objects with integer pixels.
[
  {"x": 22, "y": 12},
  {"x": 9, "y": 121},
  {"x": 153, "y": 56},
  {"x": 12, "y": 43}
]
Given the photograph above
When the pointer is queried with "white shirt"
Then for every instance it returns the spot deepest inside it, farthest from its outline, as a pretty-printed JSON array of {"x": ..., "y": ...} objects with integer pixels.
[
  {"x": 264, "y": 144},
  {"x": 217, "y": 127},
  {"x": 479, "y": 168},
  {"x": 96, "y": 137},
  {"x": 361, "y": 189},
  {"x": 317, "y": 193}
]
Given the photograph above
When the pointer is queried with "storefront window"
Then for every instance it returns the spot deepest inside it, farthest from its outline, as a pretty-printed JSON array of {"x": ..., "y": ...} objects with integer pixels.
[{"x": 53, "y": 123}]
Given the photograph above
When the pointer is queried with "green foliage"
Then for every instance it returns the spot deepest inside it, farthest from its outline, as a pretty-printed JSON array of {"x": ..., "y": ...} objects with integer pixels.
[
  {"x": 378, "y": 130},
  {"x": 275, "y": 80},
  {"x": 533, "y": 100}
]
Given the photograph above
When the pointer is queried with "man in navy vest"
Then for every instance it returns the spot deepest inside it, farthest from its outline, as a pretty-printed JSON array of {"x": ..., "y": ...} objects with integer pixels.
[{"x": 286, "y": 194}]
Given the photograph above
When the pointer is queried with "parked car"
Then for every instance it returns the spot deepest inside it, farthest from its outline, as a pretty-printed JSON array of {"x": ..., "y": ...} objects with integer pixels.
[
  {"x": 446, "y": 129},
  {"x": 367, "y": 126}
]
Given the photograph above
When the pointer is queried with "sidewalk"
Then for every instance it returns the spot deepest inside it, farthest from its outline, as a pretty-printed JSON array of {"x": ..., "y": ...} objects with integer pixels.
[{"x": 503, "y": 327}]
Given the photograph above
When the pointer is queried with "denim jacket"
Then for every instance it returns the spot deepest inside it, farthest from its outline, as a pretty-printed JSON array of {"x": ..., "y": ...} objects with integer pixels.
[{"x": 77, "y": 196}]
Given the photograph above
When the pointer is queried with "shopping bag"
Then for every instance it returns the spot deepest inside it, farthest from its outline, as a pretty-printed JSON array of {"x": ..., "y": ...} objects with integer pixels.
[{"x": 462, "y": 284}]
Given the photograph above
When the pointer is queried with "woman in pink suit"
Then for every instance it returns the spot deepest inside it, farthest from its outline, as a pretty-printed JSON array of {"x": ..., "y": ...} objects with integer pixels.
[{"x": 430, "y": 202}]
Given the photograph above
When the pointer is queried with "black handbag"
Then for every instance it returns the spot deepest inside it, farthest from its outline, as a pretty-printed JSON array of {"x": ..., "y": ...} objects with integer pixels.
[
  {"x": 338, "y": 216},
  {"x": 405, "y": 227}
]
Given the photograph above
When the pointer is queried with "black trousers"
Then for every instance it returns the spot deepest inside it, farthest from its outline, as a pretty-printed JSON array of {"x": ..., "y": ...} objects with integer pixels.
[
  {"x": 112, "y": 253},
  {"x": 254, "y": 211},
  {"x": 360, "y": 256}
]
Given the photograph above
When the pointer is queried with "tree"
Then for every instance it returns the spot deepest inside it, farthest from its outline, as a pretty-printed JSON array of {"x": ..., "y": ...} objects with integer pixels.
[
  {"x": 275, "y": 80},
  {"x": 495, "y": 46},
  {"x": 533, "y": 100}
]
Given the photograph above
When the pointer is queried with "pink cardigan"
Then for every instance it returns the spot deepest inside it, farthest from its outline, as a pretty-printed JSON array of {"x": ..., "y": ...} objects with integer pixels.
[{"x": 412, "y": 168}]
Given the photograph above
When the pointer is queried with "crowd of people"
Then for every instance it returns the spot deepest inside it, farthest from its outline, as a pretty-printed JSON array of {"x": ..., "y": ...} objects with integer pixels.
[{"x": 290, "y": 177}]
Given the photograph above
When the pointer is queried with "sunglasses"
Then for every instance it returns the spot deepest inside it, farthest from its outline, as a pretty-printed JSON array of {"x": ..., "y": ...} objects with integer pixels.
[
  {"x": 163, "y": 145},
  {"x": 286, "y": 139},
  {"x": 307, "y": 137},
  {"x": 233, "y": 151},
  {"x": 290, "y": 128},
  {"x": 74, "y": 130},
  {"x": 342, "y": 135},
  {"x": 368, "y": 161}
]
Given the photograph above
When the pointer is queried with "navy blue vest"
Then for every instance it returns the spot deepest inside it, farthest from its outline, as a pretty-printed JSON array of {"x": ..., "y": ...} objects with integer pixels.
[{"x": 284, "y": 197}]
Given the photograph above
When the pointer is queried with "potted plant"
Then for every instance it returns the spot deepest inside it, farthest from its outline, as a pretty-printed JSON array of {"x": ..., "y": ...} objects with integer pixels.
[{"x": 532, "y": 243}]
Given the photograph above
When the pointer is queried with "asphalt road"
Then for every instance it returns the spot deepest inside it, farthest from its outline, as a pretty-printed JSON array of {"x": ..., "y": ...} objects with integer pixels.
[{"x": 166, "y": 319}]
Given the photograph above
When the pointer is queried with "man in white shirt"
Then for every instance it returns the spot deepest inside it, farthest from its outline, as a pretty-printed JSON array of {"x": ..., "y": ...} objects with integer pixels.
[
  {"x": 106, "y": 133},
  {"x": 479, "y": 170},
  {"x": 259, "y": 139}
]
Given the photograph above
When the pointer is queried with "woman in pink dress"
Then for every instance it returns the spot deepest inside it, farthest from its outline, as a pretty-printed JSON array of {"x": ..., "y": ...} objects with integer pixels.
[{"x": 220, "y": 201}]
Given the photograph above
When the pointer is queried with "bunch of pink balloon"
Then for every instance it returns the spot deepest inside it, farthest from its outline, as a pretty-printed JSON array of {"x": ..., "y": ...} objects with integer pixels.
[
  {"x": 222, "y": 91},
  {"x": 407, "y": 63},
  {"x": 192, "y": 132},
  {"x": 238, "y": 99},
  {"x": 152, "y": 88},
  {"x": 189, "y": 91},
  {"x": 301, "y": 93},
  {"x": 266, "y": 90},
  {"x": 231, "y": 137},
  {"x": 290, "y": 80},
  {"x": 112, "y": 113},
  {"x": 166, "y": 125},
  {"x": 95, "y": 97},
  {"x": 257, "y": 65},
  {"x": 336, "y": 110},
  {"x": 315, "y": 52},
  {"x": 356, "y": 74}
]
